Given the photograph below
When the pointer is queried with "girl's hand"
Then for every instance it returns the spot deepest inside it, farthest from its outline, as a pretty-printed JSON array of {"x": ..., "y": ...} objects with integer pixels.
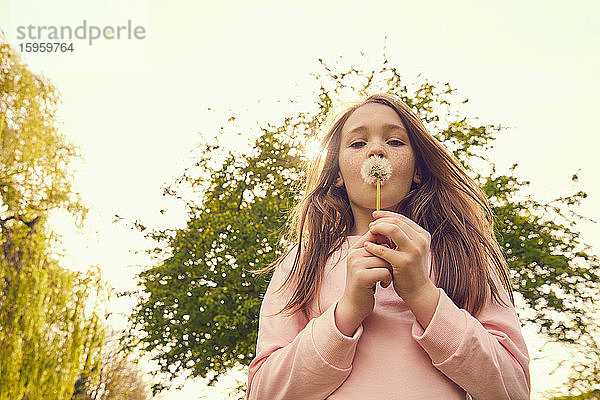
[
  {"x": 408, "y": 258},
  {"x": 363, "y": 271}
]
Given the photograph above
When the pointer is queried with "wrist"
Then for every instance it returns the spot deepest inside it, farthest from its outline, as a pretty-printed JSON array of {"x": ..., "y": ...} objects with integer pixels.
[
  {"x": 423, "y": 303},
  {"x": 425, "y": 290},
  {"x": 345, "y": 321}
]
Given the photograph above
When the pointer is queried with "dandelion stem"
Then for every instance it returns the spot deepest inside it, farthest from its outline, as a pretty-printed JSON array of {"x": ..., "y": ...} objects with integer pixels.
[{"x": 378, "y": 193}]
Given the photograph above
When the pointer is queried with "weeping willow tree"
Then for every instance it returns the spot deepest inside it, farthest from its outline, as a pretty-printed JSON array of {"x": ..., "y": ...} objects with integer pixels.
[{"x": 50, "y": 327}]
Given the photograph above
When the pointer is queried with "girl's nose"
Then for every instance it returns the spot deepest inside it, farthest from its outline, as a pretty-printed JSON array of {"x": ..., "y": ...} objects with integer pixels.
[{"x": 376, "y": 150}]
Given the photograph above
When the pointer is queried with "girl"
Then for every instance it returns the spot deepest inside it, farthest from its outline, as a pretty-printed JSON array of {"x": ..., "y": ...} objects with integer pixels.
[{"x": 442, "y": 324}]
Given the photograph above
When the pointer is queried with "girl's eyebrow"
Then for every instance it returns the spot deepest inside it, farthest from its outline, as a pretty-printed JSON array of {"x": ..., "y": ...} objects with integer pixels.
[{"x": 386, "y": 127}]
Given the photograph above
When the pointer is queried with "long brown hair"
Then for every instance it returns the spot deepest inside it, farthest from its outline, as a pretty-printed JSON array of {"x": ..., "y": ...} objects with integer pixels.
[{"x": 447, "y": 203}]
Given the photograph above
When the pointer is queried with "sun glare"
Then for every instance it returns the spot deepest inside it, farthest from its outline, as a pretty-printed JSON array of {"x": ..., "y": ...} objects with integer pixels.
[{"x": 311, "y": 149}]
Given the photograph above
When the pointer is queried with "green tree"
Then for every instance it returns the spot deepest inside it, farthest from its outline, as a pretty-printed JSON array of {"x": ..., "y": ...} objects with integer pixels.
[
  {"x": 584, "y": 362},
  {"x": 49, "y": 324},
  {"x": 198, "y": 304},
  {"x": 592, "y": 395}
]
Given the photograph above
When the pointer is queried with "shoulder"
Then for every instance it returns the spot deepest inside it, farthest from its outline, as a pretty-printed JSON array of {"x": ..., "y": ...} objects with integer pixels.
[
  {"x": 284, "y": 265},
  {"x": 286, "y": 259},
  {"x": 494, "y": 271},
  {"x": 498, "y": 311}
]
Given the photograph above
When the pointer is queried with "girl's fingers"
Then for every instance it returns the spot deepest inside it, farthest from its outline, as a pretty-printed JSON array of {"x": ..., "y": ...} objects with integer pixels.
[
  {"x": 389, "y": 214},
  {"x": 367, "y": 237},
  {"x": 392, "y": 231},
  {"x": 382, "y": 275},
  {"x": 380, "y": 251},
  {"x": 404, "y": 225}
]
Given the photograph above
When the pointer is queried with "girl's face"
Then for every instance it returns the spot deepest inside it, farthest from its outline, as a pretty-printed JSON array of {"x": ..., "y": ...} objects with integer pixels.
[{"x": 375, "y": 130}]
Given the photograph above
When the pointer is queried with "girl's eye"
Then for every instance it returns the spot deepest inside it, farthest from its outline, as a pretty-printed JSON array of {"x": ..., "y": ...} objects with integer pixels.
[{"x": 398, "y": 143}]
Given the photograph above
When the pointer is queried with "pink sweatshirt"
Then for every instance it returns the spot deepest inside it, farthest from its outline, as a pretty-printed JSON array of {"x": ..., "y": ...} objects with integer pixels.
[{"x": 390, "y": 356}]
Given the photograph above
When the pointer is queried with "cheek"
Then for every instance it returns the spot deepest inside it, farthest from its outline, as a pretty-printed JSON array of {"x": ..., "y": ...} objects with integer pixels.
[
  {"x": 348, "y": 166},
  {"x": 405, "y": 162}
]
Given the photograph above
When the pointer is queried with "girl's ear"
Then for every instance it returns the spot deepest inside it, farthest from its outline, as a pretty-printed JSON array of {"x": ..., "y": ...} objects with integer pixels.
[
  {"x": 339, "y": 182},
  {"x": 417, "y": 176}
]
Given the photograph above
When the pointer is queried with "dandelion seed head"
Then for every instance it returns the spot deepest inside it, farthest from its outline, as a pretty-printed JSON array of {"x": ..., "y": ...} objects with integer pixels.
[{"x": 374, "y": 167}]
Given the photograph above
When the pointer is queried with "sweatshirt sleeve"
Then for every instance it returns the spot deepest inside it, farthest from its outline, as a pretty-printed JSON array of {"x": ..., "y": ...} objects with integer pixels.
[
  {"x": 296, "y": 358},
  {"x": 486, "y": 356}
]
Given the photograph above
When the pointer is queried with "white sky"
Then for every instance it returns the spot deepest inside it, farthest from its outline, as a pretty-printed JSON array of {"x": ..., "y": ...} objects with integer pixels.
[{"x": 136, "y": 108}]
